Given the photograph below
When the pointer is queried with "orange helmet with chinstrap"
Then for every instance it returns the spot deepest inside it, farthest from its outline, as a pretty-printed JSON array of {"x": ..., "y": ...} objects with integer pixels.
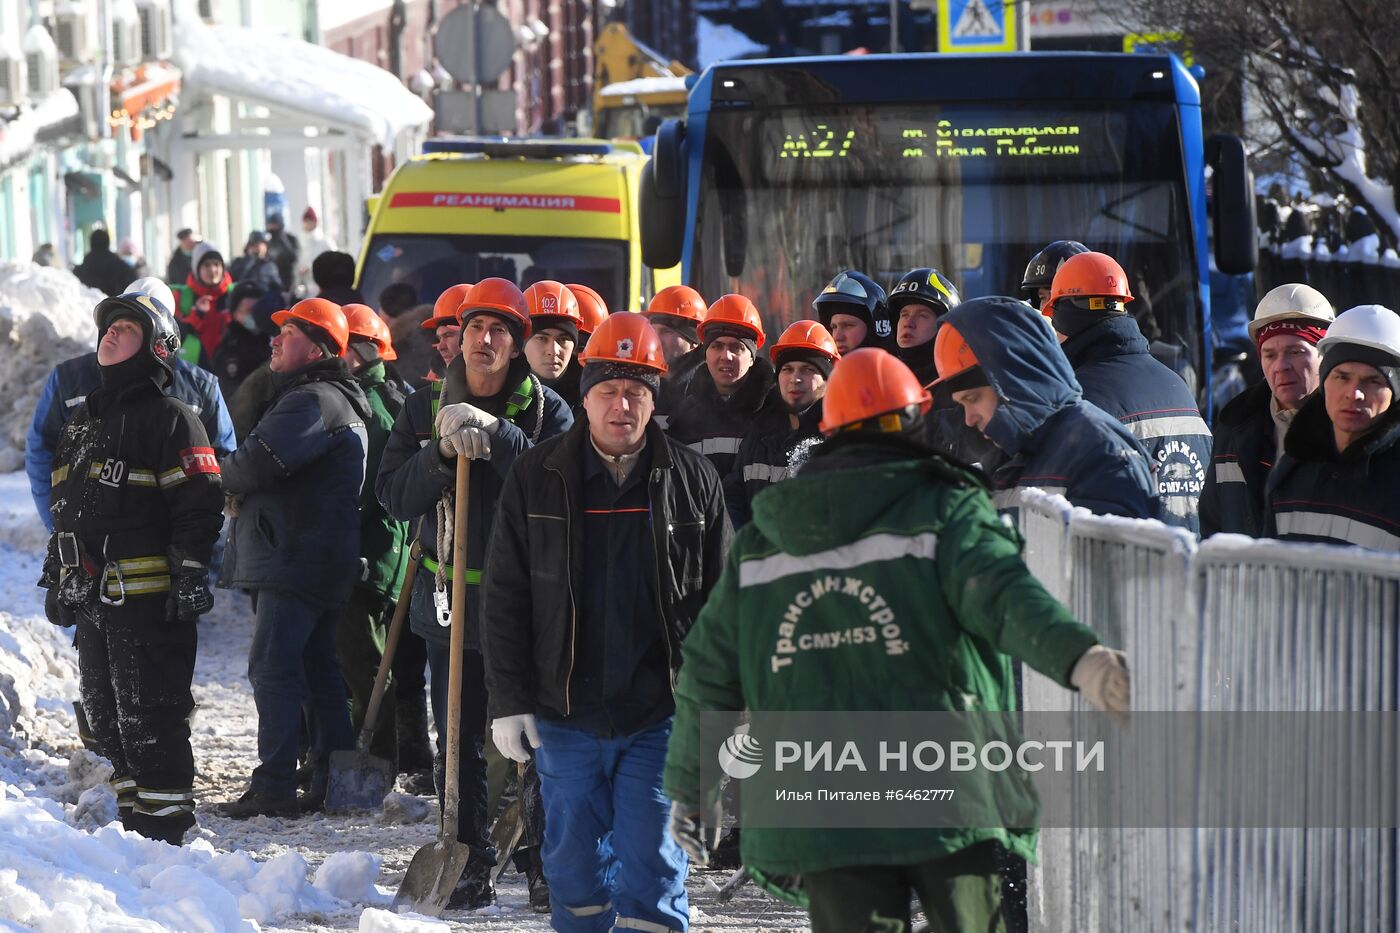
[
  {"x": 678, "y": 301},
  {"x": 368, "y": 326},
  {"x": 320, "y": 313},
  {"x": 958, "y": 367},
  {"x": 548, "y": 298},
  {"x": 734, "y": 311},
  {"x": 1086, "y": 277},
  {"x": 592, "y": 309},
  {"x": 871, "y": 388},
  {"x": 627, "y": 338},
  {"x": 445, "y": 308},
  {"x": 805, "y": 335}
]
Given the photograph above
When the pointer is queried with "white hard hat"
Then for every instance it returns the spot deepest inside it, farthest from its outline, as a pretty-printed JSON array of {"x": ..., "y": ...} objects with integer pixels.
[
  {"x": 1371, "y": 326},
  {"x": 1291, "y": 302},
  {"x": 154, "y": 288}
]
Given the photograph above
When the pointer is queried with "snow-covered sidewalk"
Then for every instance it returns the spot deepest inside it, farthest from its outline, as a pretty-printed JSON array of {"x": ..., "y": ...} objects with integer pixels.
[{"x": 65, "y": 866}]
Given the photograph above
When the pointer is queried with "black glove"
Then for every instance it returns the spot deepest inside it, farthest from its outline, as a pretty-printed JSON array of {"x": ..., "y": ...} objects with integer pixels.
[
  {"x": 189, "y": 590},
  {"x": 55, "y": 611}
]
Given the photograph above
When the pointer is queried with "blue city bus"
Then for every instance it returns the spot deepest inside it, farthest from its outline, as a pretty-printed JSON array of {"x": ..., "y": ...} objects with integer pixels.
[{"x": 786, "y": 171}]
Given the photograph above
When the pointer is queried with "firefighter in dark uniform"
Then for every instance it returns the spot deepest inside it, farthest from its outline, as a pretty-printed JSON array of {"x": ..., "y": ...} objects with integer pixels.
[{"x": 137, "y": 505}]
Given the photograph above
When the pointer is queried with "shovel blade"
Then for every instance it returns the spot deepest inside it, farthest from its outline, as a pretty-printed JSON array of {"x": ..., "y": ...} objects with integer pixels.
[
  {"x": 431, "y": 877},
  {"x": 357, "y": 781}
]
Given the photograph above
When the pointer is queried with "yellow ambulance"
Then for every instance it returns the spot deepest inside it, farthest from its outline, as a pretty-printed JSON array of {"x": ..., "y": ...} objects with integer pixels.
[{"x": 521, "y": 209}]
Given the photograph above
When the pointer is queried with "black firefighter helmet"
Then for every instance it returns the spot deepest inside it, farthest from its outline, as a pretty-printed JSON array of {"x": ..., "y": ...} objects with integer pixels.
[
  {"x": 1040, "y": 271},
  {"x": 926, "y": 286},
  {"x": 162, "y": 338},
  {"x": 857, "y": 294}
]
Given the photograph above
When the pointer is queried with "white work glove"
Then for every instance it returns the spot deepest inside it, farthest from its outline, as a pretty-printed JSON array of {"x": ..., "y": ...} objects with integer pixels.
[
  {"x": 472, "y": 443},
  {"x": 1101, "y": 677},
  {"x": 696, "y": 829},
  {"x": 506, "y": 731},
  {"x": 453, "y": 418}
]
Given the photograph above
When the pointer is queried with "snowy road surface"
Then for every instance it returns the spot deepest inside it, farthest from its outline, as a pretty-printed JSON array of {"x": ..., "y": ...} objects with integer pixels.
[{"x": 62, "y": 868}]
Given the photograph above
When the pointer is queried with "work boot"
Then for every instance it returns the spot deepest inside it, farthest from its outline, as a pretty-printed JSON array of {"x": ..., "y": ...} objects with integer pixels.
[
  {"x": 169, "y": 829},
  {"x": 539, "y": 889},
  {"x": 411, "y": 732},
  {"x": 420, "y": 784},
  {"x": 253, "y": 804},
  {"x": 726, "y": 855},
  {"x": 474, "y": 889},
  {"x": 304, "y": 774}
]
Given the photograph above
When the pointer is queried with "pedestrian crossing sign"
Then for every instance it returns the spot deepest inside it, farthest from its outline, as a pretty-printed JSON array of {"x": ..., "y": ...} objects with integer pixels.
[{"x": 977, "y": 25}]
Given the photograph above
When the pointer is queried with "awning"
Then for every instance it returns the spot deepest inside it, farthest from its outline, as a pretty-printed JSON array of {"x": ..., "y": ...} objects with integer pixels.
[
  {"x": 292, "y": 76},
  {"x": 144, "y": 99},
  {"x": 50, "y": 119}
]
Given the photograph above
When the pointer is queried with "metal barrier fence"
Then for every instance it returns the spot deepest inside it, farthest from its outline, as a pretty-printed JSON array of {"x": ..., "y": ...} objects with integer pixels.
[{"x": 1232, "y": 625}]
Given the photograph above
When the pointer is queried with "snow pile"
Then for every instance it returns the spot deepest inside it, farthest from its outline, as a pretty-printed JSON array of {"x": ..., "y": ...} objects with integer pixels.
[
  {"x": 20, "y": 133},
  {"x": 53, "y": 877},
  {"x": 294, "y": 75},
  {"x": 45, "y": 318},
  {"x": 382, "y": 921},
  {"x": 721, "y": 43}
]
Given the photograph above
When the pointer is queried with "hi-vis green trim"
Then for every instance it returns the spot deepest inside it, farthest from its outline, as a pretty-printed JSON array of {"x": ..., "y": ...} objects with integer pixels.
[
  {"x": 138, "y": 575},
  {"x": 520, "y": 399},
  {"x": 59, "y": 475},
  {"x": 473, "y": 576}
]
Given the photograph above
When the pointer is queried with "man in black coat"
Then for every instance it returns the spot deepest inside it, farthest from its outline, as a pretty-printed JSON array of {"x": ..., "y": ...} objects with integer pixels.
[
  {"x": 103, "y": 269},
  {"x": 607, "y": 541},
  {"x": 295, "y": 542}
]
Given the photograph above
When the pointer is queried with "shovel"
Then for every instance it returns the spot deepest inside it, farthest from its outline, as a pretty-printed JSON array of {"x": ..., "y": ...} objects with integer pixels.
[
  {"x": 437, "y": 867},
  {"x": 359, "y": 780}
]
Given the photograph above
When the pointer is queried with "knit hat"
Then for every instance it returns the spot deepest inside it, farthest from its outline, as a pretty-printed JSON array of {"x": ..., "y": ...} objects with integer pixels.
[
  {"x": 1387, "y": 363},
  {"x": 205, "y": 250},
  {"x": 684, "y": 326},
  {"x": 821, "y": 361},
  {"x": 715, "y": 330},
  {"x": 1310, "y": 331},
  {"x": 568, "y": 325},
  {"x": 602, "y": 371},
  {"x": 310, "y": 214},
  {"x": 513, "y": 324}
]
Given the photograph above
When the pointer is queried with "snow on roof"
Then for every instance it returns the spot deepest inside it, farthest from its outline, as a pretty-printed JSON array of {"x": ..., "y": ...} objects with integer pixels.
[
  {"x": 17, "y": 135},
  {"x": 719, "y": 43},
  {"x": 290, "y": 74},
  {"x": 645, "y": 86}
]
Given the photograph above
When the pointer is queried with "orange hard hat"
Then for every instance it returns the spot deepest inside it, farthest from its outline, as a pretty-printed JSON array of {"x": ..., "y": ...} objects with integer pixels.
[
  {"x": 365, "y": 324},
  {"x": 320, "y": 313},
  {"x": 625, "y": 337},
  {"x": 734, "y": 311},
  {"x": 951, "y": 354},
  {"x": 867, "y": 384},
  {"x": 678, "y": 301},
  {"x": 548, "y": 298},
  {"x": 592, "y": 309},
  {"x": 1088, "y": 276},
  {"x": 445, "y": 308},
  {"x": 500, "y": 297},
  {"x": 806, "y": 335}
]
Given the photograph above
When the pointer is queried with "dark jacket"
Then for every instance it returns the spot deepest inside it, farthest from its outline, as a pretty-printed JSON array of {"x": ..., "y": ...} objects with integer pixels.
[
  {"x": 1056, "y": 441},
  {"x": 534, "y": 582},
  {"x": 283, "y": 251},
  {"x": 262, "y": 271},
  {"x": 675, "y": 385},
  {"x": 135, "y": 478},
  {"x": 240, "y": 352},
  {"x": 72, "y": 380},
  {"x": 1317, "y": 494},
  {"x": 1242, "y": 455},
  {"x": 413, "y": 475},
  {"x": 766, "y": 457},
  {"x": 178, "y": 268},
  {"x": 1117, "y": 373},
  {"x": 715, "y": 426},
  {"x": 298, "y": 476},
  {"x": 383, "y": 539},
  {"x": 105, "y": 271}
]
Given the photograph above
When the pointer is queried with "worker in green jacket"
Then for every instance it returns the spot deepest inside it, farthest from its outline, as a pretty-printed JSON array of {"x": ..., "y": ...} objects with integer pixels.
[
  {"x": 923, "y": 533},
  {"x": 384, "y": 545}
]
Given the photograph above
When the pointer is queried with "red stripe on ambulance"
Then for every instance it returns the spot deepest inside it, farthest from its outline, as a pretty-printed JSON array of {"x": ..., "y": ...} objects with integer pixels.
[{"x": 494, "y": 201}]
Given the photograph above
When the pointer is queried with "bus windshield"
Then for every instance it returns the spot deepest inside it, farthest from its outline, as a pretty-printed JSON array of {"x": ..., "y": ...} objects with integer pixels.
[
  {"x": 791, "y": 195},
  {"x": 432, "y": 263}
]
